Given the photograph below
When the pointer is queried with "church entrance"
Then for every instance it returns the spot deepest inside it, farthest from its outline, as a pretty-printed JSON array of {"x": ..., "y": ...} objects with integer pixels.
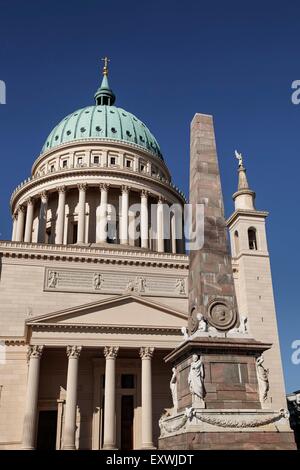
[
  {"x": 47, "y": 425},
  {"x": 127, "y": 411}
]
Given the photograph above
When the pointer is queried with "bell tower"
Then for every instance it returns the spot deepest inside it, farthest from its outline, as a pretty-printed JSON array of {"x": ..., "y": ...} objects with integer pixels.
[{"x": 253, "y": 279}]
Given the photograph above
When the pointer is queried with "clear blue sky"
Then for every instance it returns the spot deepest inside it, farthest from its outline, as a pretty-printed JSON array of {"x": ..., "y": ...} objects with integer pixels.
[{"x": 170, "y": 59}]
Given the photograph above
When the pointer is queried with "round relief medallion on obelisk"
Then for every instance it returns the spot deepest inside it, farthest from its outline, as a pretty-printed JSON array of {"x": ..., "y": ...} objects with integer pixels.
[{"x": 221, "y": 315}]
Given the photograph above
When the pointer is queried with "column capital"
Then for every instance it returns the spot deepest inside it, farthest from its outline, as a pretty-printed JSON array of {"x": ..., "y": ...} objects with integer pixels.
[
  {"x": 29, "y": 201},
  {"x": 161, "y": 199},
  {"x": 125, "y": 188},
  {"x": 34, "y": 352},
  {"x": 44, "y": 196},
  {"x": 21, "y": 208},
  {"x": 15, "y": 215},
  {"x": 82, "y": 186},
  {"x": 146, "y": 352},
  {"x": 74, "y": 351},
  {"x": 104, "y": 186},
  {"x": 145, "y": 193},
  {"x": 111, "y": 352},
  {"x": 61, "y": 189}
]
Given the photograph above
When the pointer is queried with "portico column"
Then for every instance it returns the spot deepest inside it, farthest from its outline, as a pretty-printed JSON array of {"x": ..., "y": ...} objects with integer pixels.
[
  {"x": 73, "y": 353},
  {"x": 14, "y": 228},
  {"x": 124, "y": 218},
  {"x": 81, "y": 213},
  {"x": 20, "y": 224},
  {"x": 29, "y": 220},
  {"x": 109, "y": 441},
  {"x": 60, "y": 221},
  {"x": 160, "y": 226},
  {"x": 144, "y": 219},
  {"x": 43, "y": 217},
  {"x": 101, "y": 226},
  {"x": 146, "y": 355},
  {"x": 30, "y": 417}
]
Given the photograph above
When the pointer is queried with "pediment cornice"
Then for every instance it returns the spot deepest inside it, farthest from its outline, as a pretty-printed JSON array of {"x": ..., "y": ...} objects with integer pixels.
[{"x": 54, "y": 319}]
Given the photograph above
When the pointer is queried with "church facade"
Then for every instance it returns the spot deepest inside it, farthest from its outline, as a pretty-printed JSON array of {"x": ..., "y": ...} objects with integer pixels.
[{"x": 94, "y": 289}]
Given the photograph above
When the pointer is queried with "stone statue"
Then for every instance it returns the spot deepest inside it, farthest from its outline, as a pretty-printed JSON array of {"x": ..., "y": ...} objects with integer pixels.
[
  {"x": 140, "y": 284},
  {"x": 97, "y": 280},
  {"x": 52, "y": 279},
  {"x": 263, "y": 378},
  {"x": 130, "y": 286},
  {"x": 202, "y": 325},
  {"x": 196, "y": 380},
  {"x": 136, "y": 285},
  {"x": 173, "y": 387},
  {"x": 180, "y": 286},
  {"x": 239, "y": 157},
  {"x": 243, "y": 328},
  {"x": 185, "y": 332}
]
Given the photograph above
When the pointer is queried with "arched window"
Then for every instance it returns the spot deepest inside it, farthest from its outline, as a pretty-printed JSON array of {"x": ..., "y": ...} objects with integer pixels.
[
  {"x": 252, "y": 239},
  {"x": 236, "y": 242}
]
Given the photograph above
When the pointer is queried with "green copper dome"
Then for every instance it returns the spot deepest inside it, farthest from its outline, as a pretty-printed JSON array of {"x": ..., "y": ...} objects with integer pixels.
[{"x": 103, "y": 122}]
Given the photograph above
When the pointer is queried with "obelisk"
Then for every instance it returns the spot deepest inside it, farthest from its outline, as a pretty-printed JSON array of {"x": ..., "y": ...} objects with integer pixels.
[{"x": 211, "y": 287}]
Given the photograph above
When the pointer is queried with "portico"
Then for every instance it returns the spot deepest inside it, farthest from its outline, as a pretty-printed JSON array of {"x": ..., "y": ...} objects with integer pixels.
[{"x": 108, "y": 379}]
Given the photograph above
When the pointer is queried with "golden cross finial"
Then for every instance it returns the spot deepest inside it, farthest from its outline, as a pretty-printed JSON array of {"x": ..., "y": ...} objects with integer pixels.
[{"x": 105, "y": 68}]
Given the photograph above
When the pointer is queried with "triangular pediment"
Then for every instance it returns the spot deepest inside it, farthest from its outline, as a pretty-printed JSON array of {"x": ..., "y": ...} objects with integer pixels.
[{"x": 120, "y": 311}]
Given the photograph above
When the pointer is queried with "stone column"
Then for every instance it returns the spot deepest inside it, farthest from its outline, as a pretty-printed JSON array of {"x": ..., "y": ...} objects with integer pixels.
[
  {"x": 14, "y": 228},
  {"x": 60, "y": 221},
  {"x": 73, "y": 353},
  {"x": 101, "y": 225},
  {"x": 29, "y": 220},
  {"x": 147, "y": 439},
  {"x": 144, "y": 219},
  {"x": 160, "y": 226},
  {"x": 124, "y": 218},
  {"x": 30, "y": 417},
  {"x": 181, "y": 240},
  {"x": 20, "y": 224},
  {"x": 81, "y": 212},
  {"x": 109, "y": 441},
  {"x": 173, "y": 232},
  {"x": 43, "y": 217}
]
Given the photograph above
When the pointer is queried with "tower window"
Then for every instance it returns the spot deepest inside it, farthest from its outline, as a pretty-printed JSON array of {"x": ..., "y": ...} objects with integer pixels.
[
  {"x": 79, "y": 160},
  {"x": 112, "y": 160},
  {"x": 52, "y": 168},
  {"x": 65, "y": 163},
  {"x": 252, "y": 239},
  {"x": 142, "y": 167},
  {"x": 96, "y": 160},
  {"x": 128, "y": 163},
  {"x": 236, "y": 242}
]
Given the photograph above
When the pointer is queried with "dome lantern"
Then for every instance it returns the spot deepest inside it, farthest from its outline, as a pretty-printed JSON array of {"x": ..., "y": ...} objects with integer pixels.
[{"x": 104, "y": 95}]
